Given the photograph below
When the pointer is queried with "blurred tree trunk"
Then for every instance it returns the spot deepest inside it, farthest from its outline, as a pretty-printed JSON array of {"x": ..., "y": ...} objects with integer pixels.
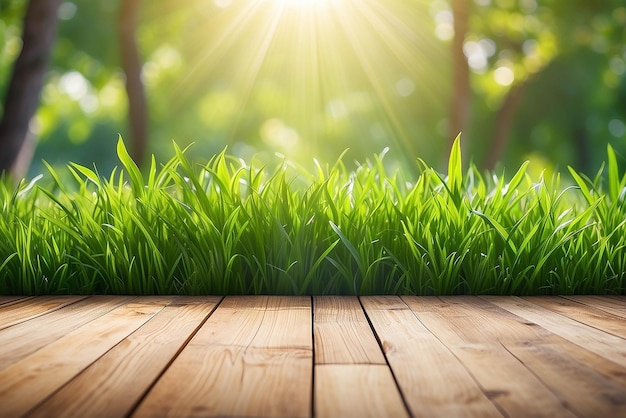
[
  {"x": 131, "y": 63},
  {"x": 583, "y": 148},
  {"x": 22, "y": 97},
  {"x": 504, "y": 121},
  {"x": 461, "y": 93}
]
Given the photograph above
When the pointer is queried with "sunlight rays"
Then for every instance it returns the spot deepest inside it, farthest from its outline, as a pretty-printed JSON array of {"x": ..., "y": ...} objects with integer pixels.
[
  {"x": 305, "y": 4},
  {"x": 373, "y": 63},
  {"x": 340, "y": 67},
  {"x": 248, "y": 73}
]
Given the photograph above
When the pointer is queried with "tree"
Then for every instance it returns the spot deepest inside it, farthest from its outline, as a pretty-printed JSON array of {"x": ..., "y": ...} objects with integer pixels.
[
  {"x": 131, "y": 63},
  {"x": 22, "y": 97},
  {"x": 563, "y": 63},
  {"x": 503, "y": 123},
  {"x": 524, "y": 49},
  {"x": 461, "y": 92},
  {"x": 535, "y": 66}
]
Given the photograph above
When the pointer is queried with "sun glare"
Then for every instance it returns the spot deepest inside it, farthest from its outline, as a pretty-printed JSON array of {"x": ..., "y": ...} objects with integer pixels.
[
  {"x": 320, "y": 68},
  {"x": 304, "y": 3}
]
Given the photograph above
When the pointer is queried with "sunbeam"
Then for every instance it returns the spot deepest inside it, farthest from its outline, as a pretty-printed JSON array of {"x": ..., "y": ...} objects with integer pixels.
[
  {"x": 348, "y": 71},
  {"x": 307, "y": 4}
]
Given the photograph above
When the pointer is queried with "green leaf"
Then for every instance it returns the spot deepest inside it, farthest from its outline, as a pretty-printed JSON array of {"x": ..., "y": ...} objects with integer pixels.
[
  {"x": 499, "y": 229},
  {"x": 90, "y": 174},
  {"x": 314, "y": 268},
  {"x": 581, "y": 184},
  {"x": 136, "y": 180},
  {"x": 613, "y": 174},
  {"x": 455, "y": 168},
  {"x": 517, "y": 178},
  {"x": 350, "y": 247}
]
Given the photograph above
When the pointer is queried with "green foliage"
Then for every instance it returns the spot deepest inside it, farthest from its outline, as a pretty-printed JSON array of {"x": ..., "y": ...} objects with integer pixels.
[
  {"x": 202, "y": 86},
  {"x": 229, "y": 227}
]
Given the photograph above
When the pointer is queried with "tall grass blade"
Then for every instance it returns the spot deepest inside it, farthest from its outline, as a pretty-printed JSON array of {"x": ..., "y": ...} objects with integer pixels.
[{"x": 455, "y": 170}]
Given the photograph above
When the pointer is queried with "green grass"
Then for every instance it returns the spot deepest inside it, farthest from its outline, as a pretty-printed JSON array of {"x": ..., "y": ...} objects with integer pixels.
[{"x": 230, "y": 228}]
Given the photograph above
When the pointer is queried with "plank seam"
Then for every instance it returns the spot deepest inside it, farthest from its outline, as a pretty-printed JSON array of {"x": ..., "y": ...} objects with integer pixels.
[
  {"x": 574, "y": 319},
  {"x": 393, "y": 374},
  {"x": 600, "y": 308},
  {"x": 58, "y": 389},
  {"x": 564, "y": 403},
  {"x": 79, "y": 298},
  {"x": 18, "y": 299},
  {"x": 141, "y": 398},
  {"x": 493, "y": 401}
]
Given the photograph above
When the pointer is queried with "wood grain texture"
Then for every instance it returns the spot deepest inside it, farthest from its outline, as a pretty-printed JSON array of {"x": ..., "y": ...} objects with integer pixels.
[
  {"x": 582, "y": 313},
  {"x": 106, "y": 388},
  {"x": 4, "y": 300},
  {"x": 355, "y": 391},
  {"x": 253, "y": 357},
  {"x": 579, "y": 384},
  {"x": 14, "y": 313},
  {"x": 342, "y": 333},
  {"x": 613, "y": 306},
  {"x": 25, "y": 338},
  {"x": 432, "y": 380},
  {"x": 466, "y": 326},
  {"x": 609, "y": 346},
  {"x": 32, "y": 379},
  {"x": 449, "y": 356},
  {"x": 587, "y": 383}
]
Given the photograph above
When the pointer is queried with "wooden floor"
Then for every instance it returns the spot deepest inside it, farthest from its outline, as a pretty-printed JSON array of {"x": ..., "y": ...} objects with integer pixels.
[{"x": 324, "y": 356}]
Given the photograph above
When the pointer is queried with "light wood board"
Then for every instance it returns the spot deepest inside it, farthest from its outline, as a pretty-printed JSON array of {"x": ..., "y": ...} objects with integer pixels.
[
  {"x": 272, "y": 356},
  {"x": 436, "y": 383},
  {"x": 106, "y": 388},
  {"x": 35, "y": 377},
  {"x": 24, "y": 310},
  {"x": 253, "y": 357}
]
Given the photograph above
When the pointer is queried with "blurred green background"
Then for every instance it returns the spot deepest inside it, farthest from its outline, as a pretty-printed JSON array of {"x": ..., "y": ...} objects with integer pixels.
[{"x": 309, "y": 79}]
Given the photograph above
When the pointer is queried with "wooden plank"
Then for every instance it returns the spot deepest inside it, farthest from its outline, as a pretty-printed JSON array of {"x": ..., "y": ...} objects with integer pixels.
[
  {"x": 584, "y": 314},
  {"x": 352, "y": 378},
  {"x": 361, "y": 390},
  {"x": 253, "y": 357},
  {"x": 612, "y": 306},
  {"x": 342, "y": 333},
  {"x": 477, "y": 333},
  {"x": 609, "y": 346},
  {"x": 30, "y": 308},
  {"x": 114, "y": 384},
  {"x": 4, "y": 300},
  {"x": 25, "y": 338},
  {"x": 579, "y": 383},
  {"x": 587, "y": 383},
  {"x": 32, "y": 379},
  {"x": 592, "y": 361},
  {"x": 433, "y": 381}
]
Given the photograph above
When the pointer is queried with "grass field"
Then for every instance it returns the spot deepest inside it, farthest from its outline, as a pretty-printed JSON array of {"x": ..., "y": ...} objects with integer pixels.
[{"x": 228, "y": 227}]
